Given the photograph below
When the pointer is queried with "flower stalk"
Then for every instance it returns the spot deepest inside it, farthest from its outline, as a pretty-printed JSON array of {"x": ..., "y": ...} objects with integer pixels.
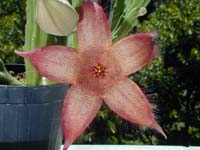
[
  {"x": 71, "y": 40},
  {"x": 123, "y": 16}
]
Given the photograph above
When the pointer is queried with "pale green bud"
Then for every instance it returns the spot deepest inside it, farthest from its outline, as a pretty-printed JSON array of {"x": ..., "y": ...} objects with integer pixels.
[
  {"x": 142, "y": 11},
  {"x": 56, "y": 17}
]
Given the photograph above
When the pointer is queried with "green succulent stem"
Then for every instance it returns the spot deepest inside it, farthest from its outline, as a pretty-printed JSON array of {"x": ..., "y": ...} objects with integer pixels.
[
  {"x": 6, "y": 78},
  {"x": 71, "y": 40},
  {"x": 123, "y": 16},
  {"x": 34, "y": 38}
]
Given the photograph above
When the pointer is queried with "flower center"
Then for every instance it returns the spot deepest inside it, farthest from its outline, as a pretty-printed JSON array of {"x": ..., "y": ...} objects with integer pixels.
[{"x": 99, "y": 70}]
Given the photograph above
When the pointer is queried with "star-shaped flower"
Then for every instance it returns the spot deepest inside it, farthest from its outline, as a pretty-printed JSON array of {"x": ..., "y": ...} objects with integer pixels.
[{"x": 98, "y": 72}]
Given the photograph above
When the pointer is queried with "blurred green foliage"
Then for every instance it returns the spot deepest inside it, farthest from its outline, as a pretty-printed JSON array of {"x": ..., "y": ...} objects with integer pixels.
[
  {"x": 176, "y": 80},
  {"x": 12, "y": 24}
]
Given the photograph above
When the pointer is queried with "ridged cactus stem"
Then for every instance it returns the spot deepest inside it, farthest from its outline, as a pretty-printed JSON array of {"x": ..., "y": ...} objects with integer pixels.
[{"x": 34, "y": 38}]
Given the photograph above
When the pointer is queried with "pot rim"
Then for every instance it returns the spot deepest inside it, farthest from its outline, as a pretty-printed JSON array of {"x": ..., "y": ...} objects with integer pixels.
[{"x": 39, "y": 86}]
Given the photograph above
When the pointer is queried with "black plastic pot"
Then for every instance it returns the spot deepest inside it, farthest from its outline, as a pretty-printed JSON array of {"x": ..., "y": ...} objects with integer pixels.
[{"x": 30, "y": 117}]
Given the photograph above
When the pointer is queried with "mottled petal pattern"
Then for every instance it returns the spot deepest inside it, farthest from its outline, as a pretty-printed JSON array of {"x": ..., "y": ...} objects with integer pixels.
[
  {"x": 133, "y": 52},
  {"x": 58, "y": 63},
  {"x": 93, "y": 28},
  {"x": 128, "y": 101},
  {"x": 98, "y": 71},
  {"x": 79, "y": 109}
]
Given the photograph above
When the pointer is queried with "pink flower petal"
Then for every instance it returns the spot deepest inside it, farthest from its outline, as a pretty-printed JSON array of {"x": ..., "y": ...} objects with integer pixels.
[
  {"x": 57, "y": 63},
  {"x": 79, "y": 109},
  {"x": 134, "y": 52},
  {"x": 128, "y": 101},
  {"x": 93, "y": 28}
]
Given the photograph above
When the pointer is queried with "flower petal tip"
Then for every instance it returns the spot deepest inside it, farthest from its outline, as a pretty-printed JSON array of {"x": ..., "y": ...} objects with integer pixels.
[
  {"x": 160, "y": 130},
  {"x": 66, "y": 145},
  {"x": 65, "y": 148},
  {"x": 22, "y": 54},
  {"x": 153, "y": 34},
  {"x": 156, "y": 126}
]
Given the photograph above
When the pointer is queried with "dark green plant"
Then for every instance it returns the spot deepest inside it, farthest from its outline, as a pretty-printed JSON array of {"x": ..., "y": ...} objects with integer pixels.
[
  {"x": 178, "y": 82},
  {"x": 12, "y": 24}
]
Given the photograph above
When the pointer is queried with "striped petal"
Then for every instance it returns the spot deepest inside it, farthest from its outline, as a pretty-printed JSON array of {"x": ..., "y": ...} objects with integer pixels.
[
  {"x": 93, "y": 28},
  {"x": 57, "y": 63},
  {"x": 128, "y": 101},
  {"x": 80, "y": 107},
  {"x": 133, "y": 52}
]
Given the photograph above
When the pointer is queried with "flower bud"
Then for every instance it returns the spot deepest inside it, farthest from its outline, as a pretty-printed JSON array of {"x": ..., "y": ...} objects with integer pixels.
[
  {"x": 142, "y": 11},
  {"x": 56, "y": 17}
]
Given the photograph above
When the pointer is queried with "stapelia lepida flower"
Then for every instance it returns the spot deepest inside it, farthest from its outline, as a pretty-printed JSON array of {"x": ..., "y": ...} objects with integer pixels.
[{"x": 98, "y": 72}]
